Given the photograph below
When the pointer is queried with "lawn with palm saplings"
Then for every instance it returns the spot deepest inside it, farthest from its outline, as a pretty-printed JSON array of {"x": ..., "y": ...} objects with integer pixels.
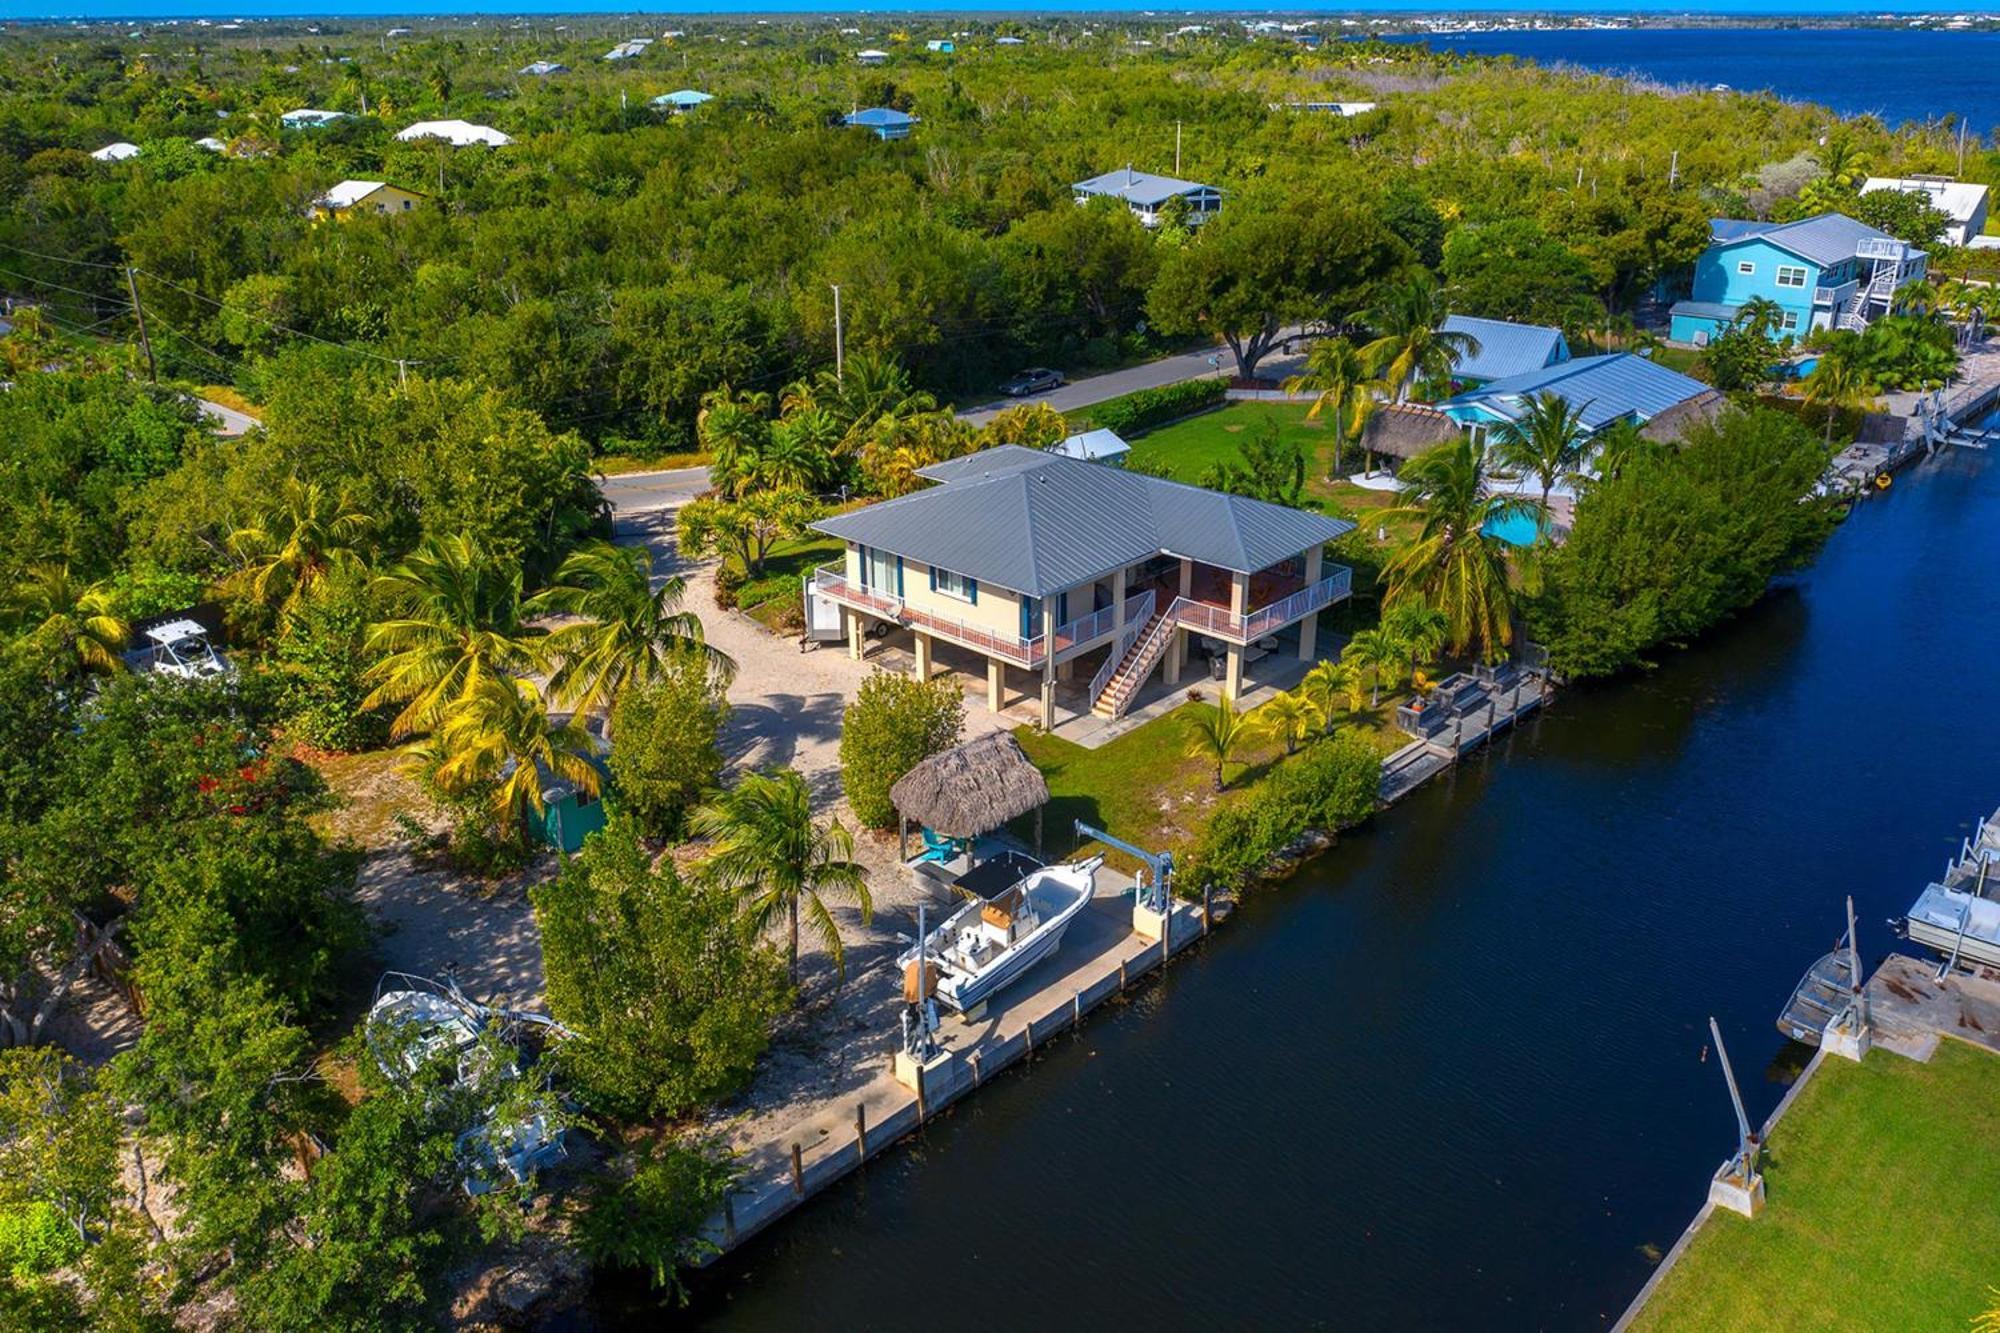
[
  {"x": 1152, "y": 788},
  {"x": 1883, "y": 1212}
]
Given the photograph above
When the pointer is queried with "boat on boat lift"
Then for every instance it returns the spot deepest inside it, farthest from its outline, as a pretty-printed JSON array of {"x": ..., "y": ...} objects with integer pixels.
[
  {"x": 1959, "y": 916},
  {"x": 990, "y": 942}
]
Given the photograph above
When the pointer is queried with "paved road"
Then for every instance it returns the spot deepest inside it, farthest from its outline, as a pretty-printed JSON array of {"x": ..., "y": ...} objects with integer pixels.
[
  {"x": 637, "y": 492},
  {"x": 228, "y": 421},
  {"x": 1201, "y": 364}
]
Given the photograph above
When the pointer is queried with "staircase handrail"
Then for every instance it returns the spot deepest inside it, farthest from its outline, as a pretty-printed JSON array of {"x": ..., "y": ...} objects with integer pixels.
[{"x": 1138, "y": 611}]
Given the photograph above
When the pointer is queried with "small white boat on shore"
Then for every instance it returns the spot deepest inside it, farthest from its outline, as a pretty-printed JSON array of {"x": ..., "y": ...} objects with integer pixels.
[{"x": 990, "y": 942}]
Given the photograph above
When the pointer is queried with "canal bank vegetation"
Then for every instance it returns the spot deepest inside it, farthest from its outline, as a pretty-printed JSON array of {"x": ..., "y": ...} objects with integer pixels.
[
  {"x": 1676, "y": 540},
  {"x": 1883, "y": 1211}
]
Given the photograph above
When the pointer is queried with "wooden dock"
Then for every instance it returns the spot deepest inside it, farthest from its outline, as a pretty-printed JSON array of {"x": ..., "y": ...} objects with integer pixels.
[{"x": 1100, "y": 958}]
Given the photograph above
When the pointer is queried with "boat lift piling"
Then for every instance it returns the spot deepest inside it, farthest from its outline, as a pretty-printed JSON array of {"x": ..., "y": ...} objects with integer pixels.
[
  {"x": 1850, "y": 1035},
  {"x": 1738, "y": 1185}
]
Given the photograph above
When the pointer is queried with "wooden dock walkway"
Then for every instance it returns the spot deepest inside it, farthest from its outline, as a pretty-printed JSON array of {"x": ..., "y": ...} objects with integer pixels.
[{"x": 1100, "y": 958}]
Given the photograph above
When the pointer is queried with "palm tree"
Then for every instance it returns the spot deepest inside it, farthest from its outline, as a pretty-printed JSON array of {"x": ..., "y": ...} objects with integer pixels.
[
  {"x": 1419, "y": 629},
  {"x": 1290, "y": 717},
  {"x": 1545, "y": 442},
  {"x": 1325, "y": 686},
  {"x": 51, "y": 600},
  {"x": 291, "y": 549},
  {"x": 1618, "y": 444},
  {"x": 1916, "y": 298},
  {"x": 1337, "y": 375},
  {"x": 1837, "y": 382},
  {"x": 1219, "y": 731},
  {"x": 627, "y": 627},
  {"x": 1373, "y": 651},
  {"x": 455, "y": 623},
  {"x": 1760, "y": 315},
  {"x": 1841, "y": 161},
  {"x": 769, "y": 848},
  {"x": 502, "y": 733},
  {"x": 732, "y": 429},
  {"x": 1411, "y": 343},
  {"x": 1453, "y": 564}
]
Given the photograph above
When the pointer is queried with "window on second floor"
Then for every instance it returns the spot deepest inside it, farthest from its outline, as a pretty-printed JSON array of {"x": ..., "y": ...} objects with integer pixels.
[
  {"x": 1745, "y": 267},
  {"x": 955, "y": 585},
  {"x": 1791, "y": 275}
]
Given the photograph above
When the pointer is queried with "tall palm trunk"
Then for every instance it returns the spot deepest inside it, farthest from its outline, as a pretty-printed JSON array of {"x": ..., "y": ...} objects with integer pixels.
[{"x": 793, "y": 947}]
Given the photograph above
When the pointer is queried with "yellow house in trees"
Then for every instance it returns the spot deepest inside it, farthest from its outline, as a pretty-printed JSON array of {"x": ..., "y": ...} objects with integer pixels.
[{"x": 351, "y": 198}]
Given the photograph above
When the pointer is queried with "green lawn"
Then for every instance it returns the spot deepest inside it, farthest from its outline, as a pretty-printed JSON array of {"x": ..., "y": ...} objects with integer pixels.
[
  {"x": 775, "y": 591},
  {"x": 1189, "y": 448},
  {"x": 1144, "y": 788},
  {"x": 1884, "y": 1208}
]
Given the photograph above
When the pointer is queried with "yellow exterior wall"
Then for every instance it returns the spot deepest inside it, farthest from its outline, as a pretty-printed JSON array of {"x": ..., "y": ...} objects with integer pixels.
[{"x": 388, "y": 201}]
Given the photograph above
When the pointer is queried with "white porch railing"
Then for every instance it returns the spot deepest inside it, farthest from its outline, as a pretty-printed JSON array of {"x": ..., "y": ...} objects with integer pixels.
[
  {"x": 830, "y": 582},
  {"x": 1214, "y": 621},
  {"x": 1838, "y": 294}
]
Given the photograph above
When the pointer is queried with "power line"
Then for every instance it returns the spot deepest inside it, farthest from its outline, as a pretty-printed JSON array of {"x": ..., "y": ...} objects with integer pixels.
[
  {"x": 58, "y": 259},
  {"x": 273, "y": 324},
  {"x": 98, "y": 297}
]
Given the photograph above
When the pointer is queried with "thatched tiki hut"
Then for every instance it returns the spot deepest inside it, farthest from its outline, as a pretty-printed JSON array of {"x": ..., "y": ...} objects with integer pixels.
[
  {"x": 1404, "y": 430},
  {"x": 970, "y": 789}
]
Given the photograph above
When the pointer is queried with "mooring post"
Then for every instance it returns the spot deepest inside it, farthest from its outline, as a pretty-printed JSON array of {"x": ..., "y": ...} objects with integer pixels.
[
  {"x": 861, "y": 1131},
  {"x": 1121, "y": 976},
  {"x": 729, "y": 1216},
  {"x": 923, "y": 1104},
  {"x": 1031, "y": 1036},
  {"x": 1207, "y": 909},
  {"x": 1075, "y": 1010},
  {"x": 1166, "y": 932},
  {"x": 798, "y": 1172},
  {"x": 1492, "y": 717},
  {"x": 973, "y": 1060}
]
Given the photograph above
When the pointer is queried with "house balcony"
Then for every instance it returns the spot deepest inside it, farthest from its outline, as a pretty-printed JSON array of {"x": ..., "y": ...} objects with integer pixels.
[
  {"x": 1836, "y": 296},
  {"x": 1277, "y": 598},
  {"x": 1881, "y": 247}
]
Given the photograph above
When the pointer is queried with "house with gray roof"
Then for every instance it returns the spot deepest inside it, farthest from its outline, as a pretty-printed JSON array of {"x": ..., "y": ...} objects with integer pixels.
[
  {"x": 1025, "y": 560},
  {"x": 1616, "y": 386},
  {"x": 1147, "y": 195},
  {"x": 1821, "y": 272},
  {"x": 1504, "y": 349}
]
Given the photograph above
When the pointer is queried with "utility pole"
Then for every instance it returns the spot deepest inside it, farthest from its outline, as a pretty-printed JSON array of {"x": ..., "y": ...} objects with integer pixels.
[
  {"x": 1674, "y": 169},
  {"x": 1961, "y": 146},
  {"x": 402, "y": 373},
  {"x": 132, "y": 286},
  {"x": 839, "y": 348},
  {"x": 1177, "y": 148}
]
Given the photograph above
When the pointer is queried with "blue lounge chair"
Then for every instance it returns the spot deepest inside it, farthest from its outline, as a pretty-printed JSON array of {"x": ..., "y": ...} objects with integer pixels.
[{"x": 939, "y": 849}]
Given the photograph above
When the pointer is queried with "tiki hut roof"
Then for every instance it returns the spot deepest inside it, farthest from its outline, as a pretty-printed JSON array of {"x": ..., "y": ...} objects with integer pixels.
[
  {"x": 972, "y": 788},
  {"x": 1669, "y": 426},
  {"x": 1404, "y": 430}
]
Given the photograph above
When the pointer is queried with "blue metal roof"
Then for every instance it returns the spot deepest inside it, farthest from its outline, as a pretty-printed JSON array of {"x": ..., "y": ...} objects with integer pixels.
[
  {"x": 878, "y": 118},
  {"x": 1830, "y": 238},
  {"x": 685, "y": 97},
  {"x": 1706, "y": 310},
  {"x": 1039, "y": 523},
  {"x": 1505, "y": 348},
  {"x": 1138, "y": 187},
  {"x": 1601, "y": 388}
]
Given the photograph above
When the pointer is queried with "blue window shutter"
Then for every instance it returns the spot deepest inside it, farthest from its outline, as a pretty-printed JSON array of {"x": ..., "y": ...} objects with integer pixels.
[
  {"x": 864, "y": 568},
  {"x": 972, "y": 591},
  {"x": 933, "y": 569},
  {"x": 1031, "y": 611},
  {"x": 1062, "y": 608},
  {"x": 899, "y": 576}
]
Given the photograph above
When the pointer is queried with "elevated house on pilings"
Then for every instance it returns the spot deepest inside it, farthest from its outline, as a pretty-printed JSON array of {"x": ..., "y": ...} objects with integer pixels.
[{"x": 1040, "y": 564}]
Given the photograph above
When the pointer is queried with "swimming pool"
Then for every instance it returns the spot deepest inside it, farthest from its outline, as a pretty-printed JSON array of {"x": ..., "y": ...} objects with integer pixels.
[
  {"x": 1514, "y": 529},
  {"x": 1805, "y": 367}
]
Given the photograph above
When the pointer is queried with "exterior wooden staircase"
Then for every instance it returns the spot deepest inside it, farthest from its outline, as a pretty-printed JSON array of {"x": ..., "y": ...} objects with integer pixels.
[{"x": 1116, "y": 693}]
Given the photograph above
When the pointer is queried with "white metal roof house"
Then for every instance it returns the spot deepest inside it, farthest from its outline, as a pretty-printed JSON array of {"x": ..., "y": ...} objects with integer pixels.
[
  {"x": 685, "y": 99},
  {"x": 541, "y": 69},
  {"x": 1093, "y": 446},
  {"x": 309, "y": 118},
  {"x": 458, "y": 133},
  {"x": 1029, "y": 559},
  {"x": 1505, "y": 348},
  {"x": 629, "y": 50},
  {"x": 117, "y": 152},
  {"x": 871, "y": 56},
  {"x": 1146, "y": 194},
  {"x": 1964, "y": 202},
  {"x": 211, "y": 143}
]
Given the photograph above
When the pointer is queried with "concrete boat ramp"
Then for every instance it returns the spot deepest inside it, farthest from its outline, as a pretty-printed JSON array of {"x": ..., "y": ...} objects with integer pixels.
[{"x": 1109, "y": 947}]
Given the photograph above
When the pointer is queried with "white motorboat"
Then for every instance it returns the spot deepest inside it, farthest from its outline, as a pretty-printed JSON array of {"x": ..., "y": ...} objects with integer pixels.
[
  {"x": 1958, "y": 923},
  {"x": 988, "y": 943}
]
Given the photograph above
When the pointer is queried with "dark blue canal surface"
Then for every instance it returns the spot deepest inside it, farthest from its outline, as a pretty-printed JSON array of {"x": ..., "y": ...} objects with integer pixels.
[{"x": 1453, "y": 1075}]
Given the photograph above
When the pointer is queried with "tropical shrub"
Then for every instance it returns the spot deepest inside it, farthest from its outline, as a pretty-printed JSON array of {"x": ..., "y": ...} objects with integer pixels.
[
  {"x": 1147, "y": 408},
  {"x": 322, "y": 652},
  {"x": 1680, "y": 540},
  {"x": 1331, "y": 786},
  {"x": 653, "y": 1218},
  {"x": 666, "y": 745},
  {"x": 894, "y": 723},
  {"x": 671, "y": 1001}
]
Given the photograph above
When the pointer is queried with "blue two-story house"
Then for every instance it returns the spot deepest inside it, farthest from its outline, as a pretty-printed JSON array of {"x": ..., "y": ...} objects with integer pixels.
[{"x": 1823, "y": 272}]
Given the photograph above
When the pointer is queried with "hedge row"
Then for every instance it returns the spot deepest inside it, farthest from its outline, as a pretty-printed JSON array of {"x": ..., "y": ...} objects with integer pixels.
[
  {"x": 1152, "y": 407},
  {"x": 1331, "y": 786}
]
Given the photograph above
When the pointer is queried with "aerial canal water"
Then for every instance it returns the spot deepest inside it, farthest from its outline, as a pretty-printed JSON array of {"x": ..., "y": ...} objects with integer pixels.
[{"x": 1454, "y": 1075}]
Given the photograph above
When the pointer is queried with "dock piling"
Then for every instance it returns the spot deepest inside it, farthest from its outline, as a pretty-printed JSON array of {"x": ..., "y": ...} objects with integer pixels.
[
  {"x": 860, "y": 1132},
  {"x": 798, "y": 1172}
]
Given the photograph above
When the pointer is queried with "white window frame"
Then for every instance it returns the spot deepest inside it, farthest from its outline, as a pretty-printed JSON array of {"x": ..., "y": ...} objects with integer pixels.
[
  {"x": 1744, "y": 268},
  {"x": 1790, "y": 322},
  {"x": 1787, "y": 271},
  {"x": 954, "y": 585}
]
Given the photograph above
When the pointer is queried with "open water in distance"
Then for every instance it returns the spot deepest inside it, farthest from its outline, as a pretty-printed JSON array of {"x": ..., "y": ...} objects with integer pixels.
[{"x": 1454, "y": 1075}]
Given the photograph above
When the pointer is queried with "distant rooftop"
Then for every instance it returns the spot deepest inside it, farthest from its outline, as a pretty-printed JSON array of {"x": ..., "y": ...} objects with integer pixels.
[
  {"x": 1138, "y": 187},
  {"x": 1830, "y": 238},
  {"x": 1505, "y": 348},
  {"x": 1601, "y": 388},
  {"x": 1960, "y": 201}
]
